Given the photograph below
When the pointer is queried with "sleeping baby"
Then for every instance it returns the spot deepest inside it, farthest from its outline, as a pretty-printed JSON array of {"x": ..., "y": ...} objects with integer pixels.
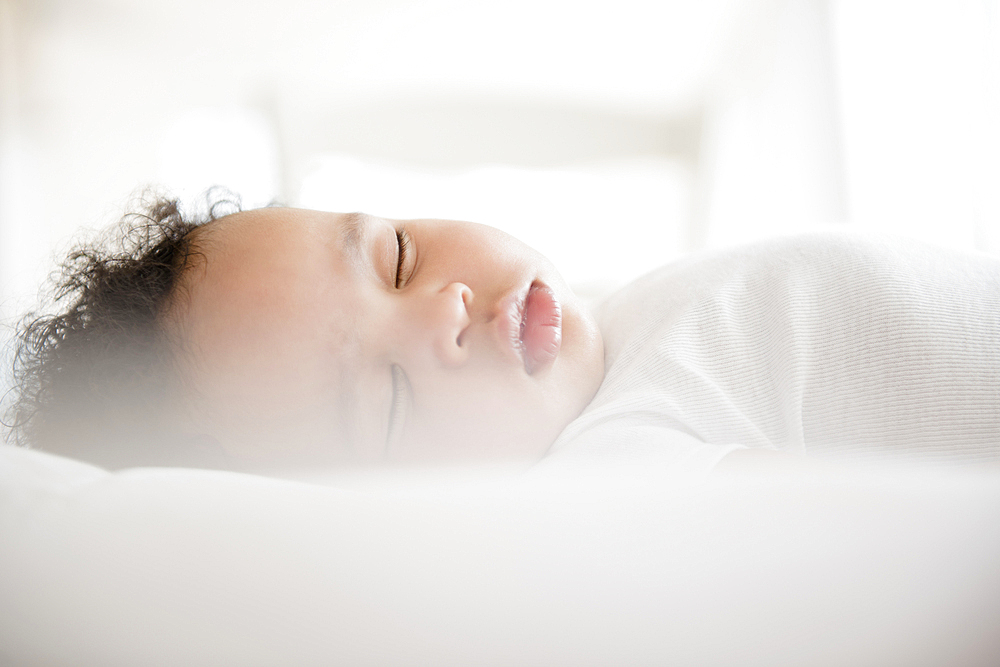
[{"x": 282, "y": 338}]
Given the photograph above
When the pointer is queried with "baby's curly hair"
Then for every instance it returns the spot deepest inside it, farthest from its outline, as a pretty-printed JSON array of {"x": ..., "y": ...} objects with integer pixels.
[{"x": 93, "y": 380}]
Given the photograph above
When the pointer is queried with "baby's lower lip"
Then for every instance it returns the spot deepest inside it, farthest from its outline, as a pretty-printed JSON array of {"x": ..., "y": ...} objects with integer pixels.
[{"x": 541, "y": 328}]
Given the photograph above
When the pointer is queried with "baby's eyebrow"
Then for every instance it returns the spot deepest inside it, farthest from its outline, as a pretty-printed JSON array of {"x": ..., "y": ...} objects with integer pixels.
[{"x": 352, "y": 233}]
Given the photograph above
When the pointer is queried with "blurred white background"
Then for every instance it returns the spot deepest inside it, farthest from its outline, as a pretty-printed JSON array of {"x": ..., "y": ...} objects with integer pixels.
[{"x": 611, "y": 135}]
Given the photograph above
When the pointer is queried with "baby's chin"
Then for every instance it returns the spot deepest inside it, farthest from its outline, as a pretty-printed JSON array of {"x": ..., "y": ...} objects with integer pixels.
[{"x": 584, "y": 349}]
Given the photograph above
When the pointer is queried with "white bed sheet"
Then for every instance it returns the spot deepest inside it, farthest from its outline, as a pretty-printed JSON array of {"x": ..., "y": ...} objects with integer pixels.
[{"x": 174, "y": 566}]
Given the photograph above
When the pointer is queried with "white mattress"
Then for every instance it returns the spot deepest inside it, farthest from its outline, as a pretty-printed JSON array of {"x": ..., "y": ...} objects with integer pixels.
[{"x": 187, "y": 567}]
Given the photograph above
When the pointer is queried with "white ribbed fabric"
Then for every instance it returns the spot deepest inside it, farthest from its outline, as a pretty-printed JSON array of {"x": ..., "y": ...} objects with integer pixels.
[{"x": 827, "y": 345}]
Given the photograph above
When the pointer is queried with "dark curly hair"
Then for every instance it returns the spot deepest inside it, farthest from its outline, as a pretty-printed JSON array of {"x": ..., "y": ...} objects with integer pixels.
[{"x": 93, "y": 381}]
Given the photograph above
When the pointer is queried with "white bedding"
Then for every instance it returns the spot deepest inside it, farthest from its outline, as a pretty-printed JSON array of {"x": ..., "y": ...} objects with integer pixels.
[{"x": 186, "y": 567}]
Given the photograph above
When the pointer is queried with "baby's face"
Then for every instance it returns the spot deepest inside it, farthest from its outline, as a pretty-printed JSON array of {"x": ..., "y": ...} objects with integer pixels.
[{"x": 312, "y": 338}]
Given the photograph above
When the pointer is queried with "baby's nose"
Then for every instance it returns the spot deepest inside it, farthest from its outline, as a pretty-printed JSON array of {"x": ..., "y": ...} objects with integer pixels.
[{"x": 449, "y": 321}]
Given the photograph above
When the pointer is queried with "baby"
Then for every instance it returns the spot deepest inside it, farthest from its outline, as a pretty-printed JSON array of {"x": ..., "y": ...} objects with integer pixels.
[
  {"x": 280, "y": 337},
  {"x": 285, "y": 337}
]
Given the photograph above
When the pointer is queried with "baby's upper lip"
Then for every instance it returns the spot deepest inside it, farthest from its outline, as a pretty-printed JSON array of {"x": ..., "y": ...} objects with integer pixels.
[
  {"x": 530, "y": 326},
  {"x": 541, "y": 331}
]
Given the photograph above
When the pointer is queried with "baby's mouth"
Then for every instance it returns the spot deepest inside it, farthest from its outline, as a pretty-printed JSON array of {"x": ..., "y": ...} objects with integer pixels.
[{"x": 540, "y": 332}]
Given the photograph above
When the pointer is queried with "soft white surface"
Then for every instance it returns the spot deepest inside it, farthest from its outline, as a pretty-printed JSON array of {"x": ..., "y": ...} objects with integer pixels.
[
  {"x": 171, "y": 566},
  {"x": 826, "y": 344}
]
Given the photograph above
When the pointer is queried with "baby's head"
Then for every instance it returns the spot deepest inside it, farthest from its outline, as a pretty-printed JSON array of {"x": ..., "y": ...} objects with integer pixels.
[{"x": 296, "y": 337}]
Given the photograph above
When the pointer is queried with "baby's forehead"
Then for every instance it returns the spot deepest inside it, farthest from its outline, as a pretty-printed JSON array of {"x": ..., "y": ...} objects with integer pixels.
[
  {"x": 267, "y": 232},
  {"x": 264, "y": 305}
]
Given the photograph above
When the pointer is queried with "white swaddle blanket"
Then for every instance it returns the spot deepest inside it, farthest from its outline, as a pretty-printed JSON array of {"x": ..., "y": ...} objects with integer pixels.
[{"x": 829, "y": 345}]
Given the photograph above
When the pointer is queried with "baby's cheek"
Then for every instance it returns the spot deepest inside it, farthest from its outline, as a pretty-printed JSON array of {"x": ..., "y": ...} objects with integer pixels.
[
  {"x": 489, "y": 428},
  {"x": 447, "y": 436}
]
